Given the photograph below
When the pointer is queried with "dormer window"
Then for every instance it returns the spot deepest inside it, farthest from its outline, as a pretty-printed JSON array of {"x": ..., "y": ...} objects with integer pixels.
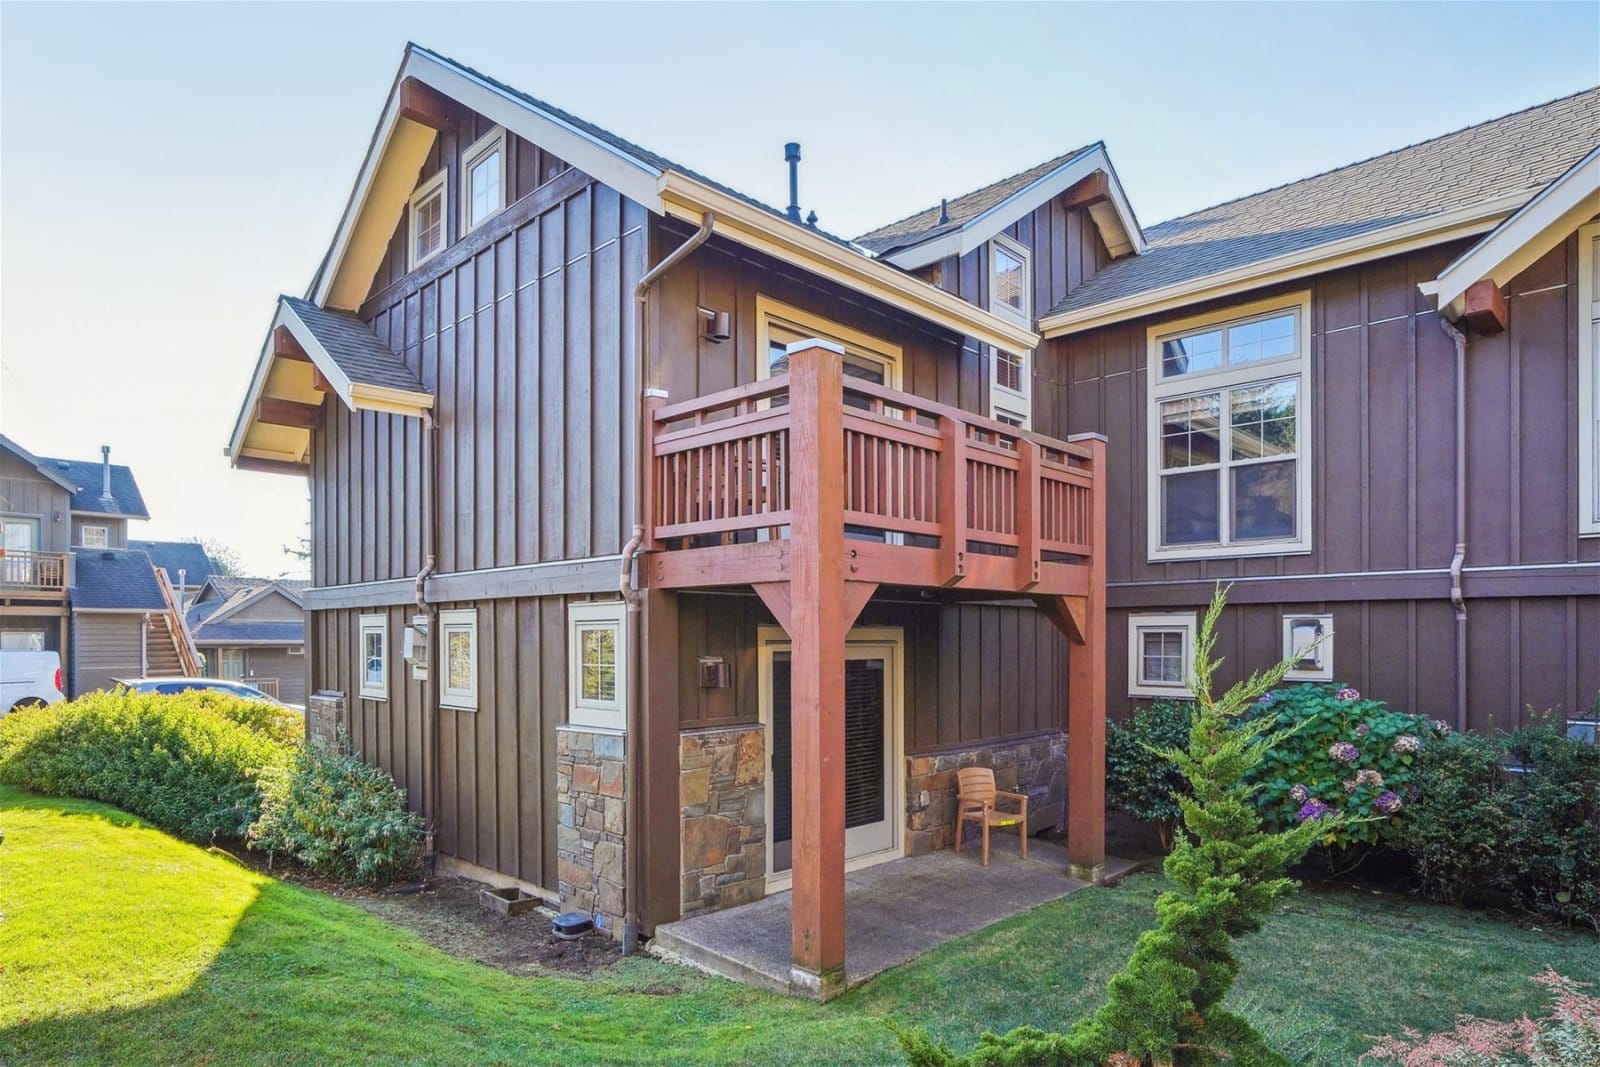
[
  {"x": 483, "y": 187},
  {"x": 1010, "y": 378},
  {"x": 428, "y": 219}
]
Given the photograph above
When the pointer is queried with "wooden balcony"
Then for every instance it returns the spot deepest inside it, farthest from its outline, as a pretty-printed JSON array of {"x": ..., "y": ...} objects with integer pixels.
[
  {"x": 933, "y": 496},
  {"x": 35, "y": 575}
]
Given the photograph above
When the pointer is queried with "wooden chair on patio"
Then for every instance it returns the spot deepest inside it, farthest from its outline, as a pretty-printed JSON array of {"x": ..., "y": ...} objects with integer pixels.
[{"x": 976, "y": 797}]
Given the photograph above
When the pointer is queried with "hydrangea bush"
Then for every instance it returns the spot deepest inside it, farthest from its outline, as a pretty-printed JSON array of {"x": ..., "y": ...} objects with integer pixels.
[{"x": 1342, "y": 754}]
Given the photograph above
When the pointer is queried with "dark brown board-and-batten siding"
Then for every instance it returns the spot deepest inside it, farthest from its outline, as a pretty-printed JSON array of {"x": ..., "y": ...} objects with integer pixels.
[
  {"x": 522, "y": 335},
  {"x": 1382, "y": 422},
  {"x": 497, "y": 805}
]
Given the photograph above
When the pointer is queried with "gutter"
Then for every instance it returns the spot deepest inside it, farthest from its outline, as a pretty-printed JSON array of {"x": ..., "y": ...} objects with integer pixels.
[
  {"x": 632, "y": 876},
  {"x": 1459, "y": 558}
]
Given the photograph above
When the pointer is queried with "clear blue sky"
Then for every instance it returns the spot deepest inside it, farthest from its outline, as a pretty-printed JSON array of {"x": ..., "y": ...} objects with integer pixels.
[{"x": 165, "y": 170}]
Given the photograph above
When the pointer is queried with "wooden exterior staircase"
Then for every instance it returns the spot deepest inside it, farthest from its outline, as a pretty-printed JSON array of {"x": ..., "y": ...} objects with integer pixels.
[{"x": 169, "y": 649}]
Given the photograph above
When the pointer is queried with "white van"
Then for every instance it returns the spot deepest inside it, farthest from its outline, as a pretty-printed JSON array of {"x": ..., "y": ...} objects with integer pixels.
[{"x": 28, "y": 679}]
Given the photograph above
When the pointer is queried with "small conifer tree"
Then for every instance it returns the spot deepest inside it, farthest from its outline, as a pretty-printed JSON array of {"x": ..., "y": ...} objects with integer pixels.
[{"x": 1227, "y": 874}]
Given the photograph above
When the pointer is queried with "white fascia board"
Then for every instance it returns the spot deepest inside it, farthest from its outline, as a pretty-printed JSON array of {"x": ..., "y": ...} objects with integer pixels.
[
  {"x": 685, "y": 198},
  {"x": 632, "y": 177},
  {"x": 1540, "y": 225},
  {"x": 980, "y": 228},
  {"x": 1361, "y": 248}
]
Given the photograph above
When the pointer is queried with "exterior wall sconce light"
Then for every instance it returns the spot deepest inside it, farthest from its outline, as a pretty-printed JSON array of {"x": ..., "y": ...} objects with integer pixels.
[{"x": 718, "y": 325}]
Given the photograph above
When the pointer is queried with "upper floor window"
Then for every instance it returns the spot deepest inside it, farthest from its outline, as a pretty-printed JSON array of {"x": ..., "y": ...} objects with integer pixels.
[
  {"x": 94, "y": 536},
  {"x": 483, "y": 187},
  {"x": 1229, "y": 448},
  {"x": 428, "y": 228},
  {"x": 1010, "y": 380},
  {"x": 865, "y": 357},
  {"x": 1589, "y": 380}
]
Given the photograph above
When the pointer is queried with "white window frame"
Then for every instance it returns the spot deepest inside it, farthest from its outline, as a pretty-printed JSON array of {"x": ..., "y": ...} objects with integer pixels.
[
  {"x": 1323, "y": 670},
  {"x": 1158, "y": 390},
  {"x": 603, "y": 715},
  {"x": 786, "y": 319},
  {"x": 493, "y": 141},
  {"x": 1006, "y": 403},
  {"x": 438, "y": 185},
  {"x": 458, "y": 620},
  {"x": 368, "y": 624},
  {"x": 1588, "y": 303},
  {"x": 83, "y": 537},
  {"x": 1167, "y": 622}
]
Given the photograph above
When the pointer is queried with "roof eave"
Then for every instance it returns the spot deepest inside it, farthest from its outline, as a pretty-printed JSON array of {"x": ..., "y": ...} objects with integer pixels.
[
  {"x": 1535, "y": 228},
  {"x": 1376, "y": 244},
  {"x": 688, "y": 199},
  {"x": 983, "y": 226}
]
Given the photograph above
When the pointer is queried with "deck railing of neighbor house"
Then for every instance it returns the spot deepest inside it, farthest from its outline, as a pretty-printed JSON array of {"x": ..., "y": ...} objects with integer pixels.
[
  {"x": 268, "y": 686},
  {"x": 933, "y": 495},
  {"x": 38, "y": 574}
]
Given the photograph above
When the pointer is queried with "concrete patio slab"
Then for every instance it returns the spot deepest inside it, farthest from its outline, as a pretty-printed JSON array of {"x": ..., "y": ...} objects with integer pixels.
[{"x": 894, "y": 912}]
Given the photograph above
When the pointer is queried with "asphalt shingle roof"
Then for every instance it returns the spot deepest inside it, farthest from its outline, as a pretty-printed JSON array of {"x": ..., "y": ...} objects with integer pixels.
[
  {"x": 173, "y": 556},
  {"x": 231, "y": 591},
  {"x": 87, "y": 475},
  {"x": 354, "y": 348},
  {"x": 1514, "y": 154},
  {"x": 116, "y": 578},
  {"x": 925, "y": 224}
]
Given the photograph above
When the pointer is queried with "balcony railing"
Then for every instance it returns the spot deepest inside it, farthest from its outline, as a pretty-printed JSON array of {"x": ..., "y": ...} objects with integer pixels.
[
  {"x": 44, "y": 575},
  {"x": 967, "y": 500}
]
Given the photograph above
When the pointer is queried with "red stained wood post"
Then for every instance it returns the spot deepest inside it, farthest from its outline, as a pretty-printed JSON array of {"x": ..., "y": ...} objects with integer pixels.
[
  {"x": 1086, "y": 709},
  {"x": 953, "y": 500},
  {"x": 1029, "y": 513},
  {"x": 817, "y": 633}
]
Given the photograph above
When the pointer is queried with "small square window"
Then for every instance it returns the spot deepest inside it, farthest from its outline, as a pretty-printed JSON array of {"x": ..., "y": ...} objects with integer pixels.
[
  {"x": 428, "y": 224},
  {"x": 373, "y": 668},
  {"x": 597, "y": 682},
  {"x": 1160, "y": 655},
  {"x": 1308, "y": 640},
  {"x": 94, "y": 537},
  {"x": 483, "y": 187},
  {"x": 458, "y": 648}
]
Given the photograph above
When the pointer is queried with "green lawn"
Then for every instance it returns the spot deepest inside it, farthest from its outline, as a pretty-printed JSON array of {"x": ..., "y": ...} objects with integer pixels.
[{"x": 119, "y": 944}]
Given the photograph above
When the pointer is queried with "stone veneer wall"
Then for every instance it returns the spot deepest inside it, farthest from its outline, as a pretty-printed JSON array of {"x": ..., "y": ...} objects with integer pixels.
[
  {"x": 1019, "y": 767},
  {"x": 722, "y": 792},
  {"x": 590, "y": 786},
  {"x": 324, "y": 714}
]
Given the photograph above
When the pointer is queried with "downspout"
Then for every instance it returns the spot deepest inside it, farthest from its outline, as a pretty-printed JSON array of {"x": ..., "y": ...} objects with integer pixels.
[
  {"x": 632, "y": 876},
  {"x": 1458, "y": 560},
  {"x": 430, "y": 476}
]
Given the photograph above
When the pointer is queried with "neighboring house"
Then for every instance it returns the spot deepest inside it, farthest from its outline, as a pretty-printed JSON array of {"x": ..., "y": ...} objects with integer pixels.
[
  {"x": 838, "y": 480},
  {"x": 69, "y": 583},
  {"x": 253, "y": 630},
  {"x": 185, "y": 562}
]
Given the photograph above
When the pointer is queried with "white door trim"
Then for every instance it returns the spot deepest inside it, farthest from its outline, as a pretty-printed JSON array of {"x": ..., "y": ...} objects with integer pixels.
[{"x": 888, "y": 643}]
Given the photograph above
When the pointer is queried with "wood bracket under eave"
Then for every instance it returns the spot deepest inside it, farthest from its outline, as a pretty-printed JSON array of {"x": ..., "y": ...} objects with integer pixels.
[
  {"x": 276, "y": 412},
  {"x": 1485, "y": 308},
  {"x": 1091, "y": 190},
  {"x": 427, "y": 106},
  {"x": 284, "y": 346}
]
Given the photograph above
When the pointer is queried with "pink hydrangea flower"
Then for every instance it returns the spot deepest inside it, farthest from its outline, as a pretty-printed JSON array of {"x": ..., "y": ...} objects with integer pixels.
[
  {"x": 1348, "y": 693},
  {"x": 1299, "y": 794},
  {"x": 1406, "y": 744},
  {"x": 1343, "y": 752},
  {"x": 1363, "y": 729},
  {"x": 1371, "y": 778}
]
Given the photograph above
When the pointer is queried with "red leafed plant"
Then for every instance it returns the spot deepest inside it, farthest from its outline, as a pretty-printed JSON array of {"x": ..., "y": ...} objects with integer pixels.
[{"x": 1569, "y": 1036}]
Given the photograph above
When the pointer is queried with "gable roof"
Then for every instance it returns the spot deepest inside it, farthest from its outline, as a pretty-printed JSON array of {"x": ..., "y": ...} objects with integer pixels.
[
  {"x": 46, "y": 471},
  {"x": 87, "y": 479},
  {"x": 974, "y": 217},
  {"x": 174, "y": 556},
  {"x": 210, "y": 617},
  {"x": 118, "y": 579},
  {"x": 1454, "y": 185}
]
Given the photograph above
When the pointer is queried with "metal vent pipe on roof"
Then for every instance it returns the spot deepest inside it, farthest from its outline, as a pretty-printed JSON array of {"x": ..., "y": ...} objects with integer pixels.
[
  {"x": 105, "y": 471},
  {"x": 791, "y": 156}
]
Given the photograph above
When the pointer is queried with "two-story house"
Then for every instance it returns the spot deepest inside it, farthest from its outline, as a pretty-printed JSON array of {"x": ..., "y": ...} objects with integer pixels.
[
  {"x": 70, "y": 584},
  {"x": 671, "y": 551},
  {"x": 252, "y": 630}
]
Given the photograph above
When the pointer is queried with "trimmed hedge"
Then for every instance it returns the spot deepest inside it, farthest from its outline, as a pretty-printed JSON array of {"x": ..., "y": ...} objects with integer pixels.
[{"x": 190, "y": 763}]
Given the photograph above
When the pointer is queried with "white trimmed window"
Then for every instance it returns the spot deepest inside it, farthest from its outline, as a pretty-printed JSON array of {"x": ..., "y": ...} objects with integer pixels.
[
  {"x": 1010, "y": 289},
  {"x": 1308, "y": 641},
  {"x": 1229, "y": 448},
  {"x": 458, "y": 648},
  {"x": 1589, "y": 380},
  {"x": 373, "y": 647},
  {"x": 93, "y": 537},
  {"x": 428, "y": 227},
  {"x": 483, "y": 185},
  {"x": 1160, "y": 654},
  {"x": 597, "y": 682}
]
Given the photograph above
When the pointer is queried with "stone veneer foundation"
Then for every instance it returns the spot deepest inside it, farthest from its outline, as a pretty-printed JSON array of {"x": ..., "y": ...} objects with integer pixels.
[
  {"x": 722, "y": 795},
  {"x": 1036, "y": 766},
  {"x": 590, "y": 835},
  {"x": 324, "y": 714}
]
